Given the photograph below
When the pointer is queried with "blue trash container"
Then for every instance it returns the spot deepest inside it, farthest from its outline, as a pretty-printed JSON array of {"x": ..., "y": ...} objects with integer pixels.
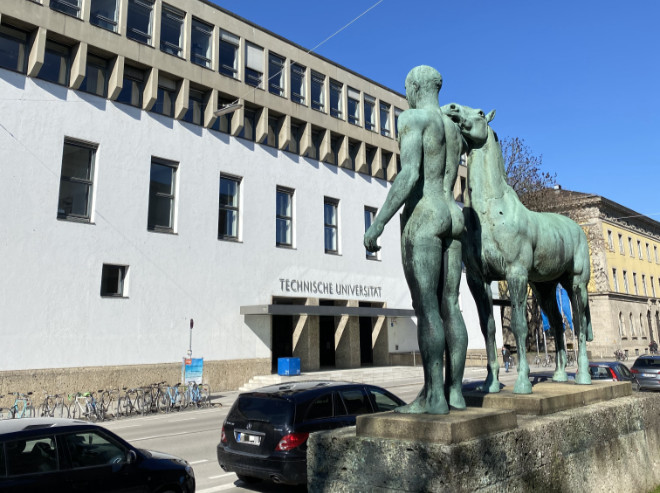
[{"x": 288, "y": 366}]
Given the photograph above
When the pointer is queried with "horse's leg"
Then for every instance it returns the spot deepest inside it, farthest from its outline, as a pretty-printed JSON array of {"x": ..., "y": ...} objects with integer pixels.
[
  {"x": 582, "y": 326},
  {"x": 482, "y": 295},
  {"x": 547, "y": 296},
  {"x": 517, "y": 281}
]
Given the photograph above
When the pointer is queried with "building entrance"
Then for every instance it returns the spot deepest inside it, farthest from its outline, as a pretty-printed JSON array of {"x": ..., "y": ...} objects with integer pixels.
[
  {"x": 327, "y": 329},
  {"x": 282, "y": 345}
]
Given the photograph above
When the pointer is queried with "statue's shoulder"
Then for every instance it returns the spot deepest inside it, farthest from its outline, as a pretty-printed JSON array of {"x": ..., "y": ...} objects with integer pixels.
[{"x": 418, "y": 118}]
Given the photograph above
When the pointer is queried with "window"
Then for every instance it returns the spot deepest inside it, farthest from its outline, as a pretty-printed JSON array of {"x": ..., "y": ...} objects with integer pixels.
[
  {"x": 96, "y": 76},
  {"x": 369, "y": 113},
  {"x": 113, "y": 280},
  {"x": 397, "y": 114},
  {"x": 625, "y": 281},
  {"x": 632, "y": 325},
  {"x": 655, "y": 253},
  {"x": 229, "y": 54},
  {"x": 56, "y": 63},
  {"x": 630, "y": 247},
  {"x": 382, "y": 400},
  {"x": 76, "y": 180},
  {"x": 274, "y": 127},
  {"x": 249, "y": 124},
  {"x": 13, "y": 49},
  {"x": 610, "y": 240},
  {"x": 622, "y": 325},
  {"x": 370, "y": 152},
  {"x": 297, "y": 83},
  {"x": 162, "y": 187},
  {"x": 353, "y": 151},
  {"x": 644, "y": 285},
  {"x": 353, "y": 106},
  {"x": 635, "y": 283},
  {"x": 69, "y": 7},
  {"x": 200, "y": 43},
  {"x": 139, "y": 20},
  {"x": 229, "y": 203},
  {"x": 275, "y": 74},
  {"x": 103, "y": 13},
  {"x": 639, "y": 249},
  {"x": 336, "y": 95},
  {"x": 369, "y": 216},
  {"x": 133, "y": 86},
  {"x": 92, "y": 448},
  {"x": 622, "y": 251},
  {"x": 166, "y": 97},
  {"x": 320, "y": 408},
  {"x": 385, "y": 120},
  {"x": 330, "y": 207},
  {"x": 356, "y": 402},
  {"x": 223, "y": 122},
  {"x": 653, "y": 287},
  {"x": 335, "y": 146},
  {"x": 642, "y": 332},
  {"x": 284, "y": 217},
  {"x": 254, "y": 65},
  {"x": 317, "y": 141},
  {"x": 171, "y": 31},
  {"x": 296, "y": 137},
  {"x": 615, "y": 281},
  {"x": 195, "y": 107},
  {"x": 31, "y": 456},
  {"x": 318, "y": 91}
]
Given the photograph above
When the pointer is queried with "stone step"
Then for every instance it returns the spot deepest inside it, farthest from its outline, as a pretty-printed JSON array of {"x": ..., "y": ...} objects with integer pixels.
[{"x": 373, "y": 376}]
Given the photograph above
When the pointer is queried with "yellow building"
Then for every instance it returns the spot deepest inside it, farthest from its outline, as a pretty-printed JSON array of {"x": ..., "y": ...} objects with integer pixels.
[{"x": 625, "y": 269}]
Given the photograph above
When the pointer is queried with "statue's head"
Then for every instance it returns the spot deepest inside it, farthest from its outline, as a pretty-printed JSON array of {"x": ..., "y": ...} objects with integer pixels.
[
  {"x": 472, "y": 122},
  {"x": 421, "y": 82}
]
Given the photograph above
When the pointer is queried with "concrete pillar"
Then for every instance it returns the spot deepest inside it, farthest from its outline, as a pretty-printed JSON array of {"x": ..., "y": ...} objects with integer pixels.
[
  {"x": 379, "y": 344},
  {"x": 78, "y": 65},
  {"x": 325, "y": 152},
  {"x": 116, "y": 79},
  {"x": 391, "y": 167},
  {"x": 150, "y": 89},
  {"x": 261, "y": 132},
  {"x": 238, "y": 119},
  {"x": 37, "y": 51},
  {"x": 182, "y": 99},
  {"x": 306, "y": 140},
  {"x": 210, "y": 107},
  {"x": 347, "y": 339},
  {"x": 361, "y": 165},
  {"x": 306, "y": 339},
  {"x": 343, "y": 157},
  {"x": 376, "y": 165},
  {"x": 284, "y": 138}
]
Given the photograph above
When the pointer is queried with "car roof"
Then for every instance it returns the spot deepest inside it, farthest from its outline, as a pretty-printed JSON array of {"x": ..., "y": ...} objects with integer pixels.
[
  {"x": 604, "y": 363},
  {"x": 300, "y": 388},
  {"x": 8, "y": 426}
]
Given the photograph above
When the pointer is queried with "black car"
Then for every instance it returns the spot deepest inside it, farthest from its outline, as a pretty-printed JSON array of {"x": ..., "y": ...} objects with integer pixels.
[
  {"x": 45, "y": 454},
  {"x": 647, "y": 370},
  {"x": 612, "y": 371},
  {"x": 265, "y": 433}
]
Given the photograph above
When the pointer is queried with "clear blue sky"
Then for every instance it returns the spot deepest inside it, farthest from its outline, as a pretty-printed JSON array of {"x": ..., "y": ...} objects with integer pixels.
[{"x": 579, "y": 81}]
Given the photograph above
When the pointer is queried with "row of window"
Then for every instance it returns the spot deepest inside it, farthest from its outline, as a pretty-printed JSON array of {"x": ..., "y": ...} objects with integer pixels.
[
  {"x": 626, "y": 287},
  {"x": 56, "y": 69},
  {"x": 635, "y": 329},
  {"x": 344, "y": 102},
  {"x": 75, "y": 203},
  {"x": 631, "y": 247}
]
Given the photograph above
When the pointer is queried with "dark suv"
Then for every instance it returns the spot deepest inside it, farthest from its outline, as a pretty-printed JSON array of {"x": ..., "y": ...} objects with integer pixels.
[
  {"x": 46, "y": 454},
  {"x": 265, "y": 433},
  {"x": 647, "y": 371}
]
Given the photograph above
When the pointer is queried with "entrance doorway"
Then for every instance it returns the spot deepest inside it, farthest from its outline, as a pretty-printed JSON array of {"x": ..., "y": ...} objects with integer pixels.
[
  {"x": 282, "y": 345},
  {"x": 327, "y": 338},
  {"x": 366, "y": 331}
]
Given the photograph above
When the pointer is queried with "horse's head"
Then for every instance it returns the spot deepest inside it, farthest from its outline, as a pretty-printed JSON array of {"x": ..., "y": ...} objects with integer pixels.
[{"x": 472, "y": 122}]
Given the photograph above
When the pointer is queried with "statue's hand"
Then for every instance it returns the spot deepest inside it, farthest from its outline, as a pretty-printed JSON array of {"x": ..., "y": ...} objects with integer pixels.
[{"x": 371, "y": 237}]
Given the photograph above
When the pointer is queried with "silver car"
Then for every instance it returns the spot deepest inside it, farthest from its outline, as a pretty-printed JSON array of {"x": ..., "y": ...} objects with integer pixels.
[{"x": 647, "y": 371}]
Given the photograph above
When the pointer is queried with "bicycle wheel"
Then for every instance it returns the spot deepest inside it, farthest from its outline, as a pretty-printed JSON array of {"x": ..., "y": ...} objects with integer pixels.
[
  {"x": 163, "y": 402},
  {"x": 74, "y": 410},
  {"x": 44, "y": 410},
  {"x": 29, "y": 411},
  {"x": 61, "y": 410},
  {"x": 205, "y": 396}
]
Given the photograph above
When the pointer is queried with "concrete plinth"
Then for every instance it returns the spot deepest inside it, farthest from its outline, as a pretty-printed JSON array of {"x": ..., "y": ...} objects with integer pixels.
[
  {"x": 454, "y": 427},
  {"x": 609, "y": 446},
  {"x": 549, "y": 397}
]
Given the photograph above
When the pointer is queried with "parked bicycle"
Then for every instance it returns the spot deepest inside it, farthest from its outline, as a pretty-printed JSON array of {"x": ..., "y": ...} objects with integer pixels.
[
  {"x": 22, "y": 407},
  {"x": 131, "y": 402},
  {"x": 85, "y": 406},
  {"x": 54, "y": 406},
  {"x": 174, "y": 398},
  {"x": 548, "y": 360},
  {"x": 110, "y": 403},
  {"x": 620, "y": 355},
  {"x": 198, "y": 395}
]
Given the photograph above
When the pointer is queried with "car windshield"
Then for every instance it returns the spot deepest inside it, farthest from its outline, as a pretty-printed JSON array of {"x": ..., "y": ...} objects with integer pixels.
[
  {"x": 648, "y": 363},
  {"x": 269, "y": 410}
]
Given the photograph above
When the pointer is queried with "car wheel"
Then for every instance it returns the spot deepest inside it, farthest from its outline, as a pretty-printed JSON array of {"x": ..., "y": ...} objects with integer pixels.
[{"x": 248, "y": 479}]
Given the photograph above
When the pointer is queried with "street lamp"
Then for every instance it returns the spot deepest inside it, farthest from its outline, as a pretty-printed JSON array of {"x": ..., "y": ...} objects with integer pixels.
[{"x": 192, "y": 323}]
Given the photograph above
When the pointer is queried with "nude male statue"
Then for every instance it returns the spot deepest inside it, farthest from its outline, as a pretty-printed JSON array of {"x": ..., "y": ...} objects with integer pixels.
[{"x": 431, "y": 146}]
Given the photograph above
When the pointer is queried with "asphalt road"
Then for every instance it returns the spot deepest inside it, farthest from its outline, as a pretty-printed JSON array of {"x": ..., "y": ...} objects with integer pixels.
[{"x": 194, "y": 435}]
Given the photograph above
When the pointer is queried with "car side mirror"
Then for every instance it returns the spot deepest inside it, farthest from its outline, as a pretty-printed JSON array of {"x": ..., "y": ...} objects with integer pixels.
[{"x": 131, "y": 457}]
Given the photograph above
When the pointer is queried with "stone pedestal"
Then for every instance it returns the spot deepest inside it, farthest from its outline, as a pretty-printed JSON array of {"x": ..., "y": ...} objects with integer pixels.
[{"x": 610, "y": 445}]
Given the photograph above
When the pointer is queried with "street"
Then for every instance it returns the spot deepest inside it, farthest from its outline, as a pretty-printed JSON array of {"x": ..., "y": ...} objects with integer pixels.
[{"x": 194, "y": 434}]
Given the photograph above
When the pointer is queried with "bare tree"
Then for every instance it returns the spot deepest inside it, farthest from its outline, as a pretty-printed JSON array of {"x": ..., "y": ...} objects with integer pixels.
[{"x": 523, "y": 168}]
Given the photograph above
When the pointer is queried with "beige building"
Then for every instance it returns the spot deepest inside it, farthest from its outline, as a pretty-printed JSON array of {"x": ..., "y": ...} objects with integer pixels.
[{"x": 624, "y": 290}]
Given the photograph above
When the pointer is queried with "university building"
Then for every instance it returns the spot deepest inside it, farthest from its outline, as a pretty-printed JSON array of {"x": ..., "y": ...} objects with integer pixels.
[
  {"x": 177, "y": 178},
  {"x": 624, "y": 291}
]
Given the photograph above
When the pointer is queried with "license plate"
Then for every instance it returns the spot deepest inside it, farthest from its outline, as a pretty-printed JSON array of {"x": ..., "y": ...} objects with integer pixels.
[
  {"x": 647, "y": 375},
  {"x": 248, "y": 438}
]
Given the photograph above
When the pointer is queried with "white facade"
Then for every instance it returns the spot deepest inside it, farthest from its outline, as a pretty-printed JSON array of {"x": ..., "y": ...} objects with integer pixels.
[{"x": 53, "y": 313}]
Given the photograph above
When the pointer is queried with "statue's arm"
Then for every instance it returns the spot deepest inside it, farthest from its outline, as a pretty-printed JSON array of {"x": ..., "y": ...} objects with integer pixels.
[{"x": 410, "y": 135}]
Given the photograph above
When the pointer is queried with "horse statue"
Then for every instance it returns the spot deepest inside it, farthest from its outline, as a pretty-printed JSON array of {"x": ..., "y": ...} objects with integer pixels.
[{"x": 503, "y": 240}]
